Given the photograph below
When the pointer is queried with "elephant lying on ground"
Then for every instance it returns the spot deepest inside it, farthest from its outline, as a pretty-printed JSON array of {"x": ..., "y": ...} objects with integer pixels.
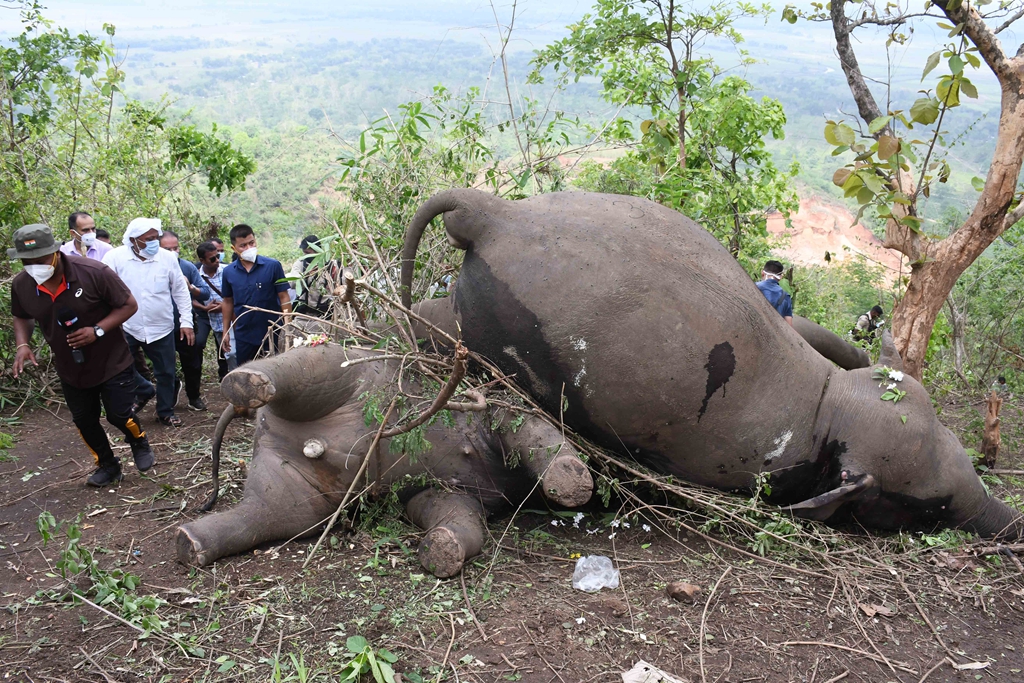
[
  {"x": 663, "y": 347},
  {"x": 311, "y": 437}
]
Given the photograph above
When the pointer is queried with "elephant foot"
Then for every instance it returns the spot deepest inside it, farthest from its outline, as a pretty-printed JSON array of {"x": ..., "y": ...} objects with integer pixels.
[
  {"x": 190, "y": 549},
  {"x": 455, "y": 530},
  {"x": 567, "y": 481},
  {"x": 249, "y": 388},
  {"x": 441, "y": 553}
]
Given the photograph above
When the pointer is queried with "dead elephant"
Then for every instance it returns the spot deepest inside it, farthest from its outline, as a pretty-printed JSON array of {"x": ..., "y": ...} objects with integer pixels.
[
  {"x": 311, "y": 438},
  {"x": 663, "y": 347}
]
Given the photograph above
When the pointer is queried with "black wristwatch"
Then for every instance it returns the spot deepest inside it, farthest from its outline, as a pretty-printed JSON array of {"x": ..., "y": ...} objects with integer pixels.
[{"x": 99, "y": 331}]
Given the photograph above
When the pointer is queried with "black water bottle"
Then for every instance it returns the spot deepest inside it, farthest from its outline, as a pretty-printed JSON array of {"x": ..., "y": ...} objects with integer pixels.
[{"x": 68, "y": 320}]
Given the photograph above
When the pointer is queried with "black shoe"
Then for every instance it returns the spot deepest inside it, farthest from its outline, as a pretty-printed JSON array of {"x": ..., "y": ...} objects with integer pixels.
[
  {"x": 197, "y": 404},
  {"x": 170, "y": 420},
  {"x": 104, "y": 476},
  {"x": 140, "y": 404},
  {"x": 142, "y": 454}
]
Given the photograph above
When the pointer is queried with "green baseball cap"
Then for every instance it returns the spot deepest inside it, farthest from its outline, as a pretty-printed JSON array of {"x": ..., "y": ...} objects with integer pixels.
[{"x": 32, "y": 241}]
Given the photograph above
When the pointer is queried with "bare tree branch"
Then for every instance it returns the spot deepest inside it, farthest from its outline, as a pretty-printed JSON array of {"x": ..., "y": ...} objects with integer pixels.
[
  {"x": 1006, "y": 24},
  {"x": 866, "y": 104}
]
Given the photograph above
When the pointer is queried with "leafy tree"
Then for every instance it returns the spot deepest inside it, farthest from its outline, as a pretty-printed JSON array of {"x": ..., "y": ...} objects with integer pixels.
[
  {"x": 703, "y": 143},
  {"x": 899, "y": 153},
  {"x": 71, "y": 139}
]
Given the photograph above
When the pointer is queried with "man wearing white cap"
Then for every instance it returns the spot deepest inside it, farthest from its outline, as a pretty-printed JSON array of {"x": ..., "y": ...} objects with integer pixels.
[{"x": 155, "y": 280}]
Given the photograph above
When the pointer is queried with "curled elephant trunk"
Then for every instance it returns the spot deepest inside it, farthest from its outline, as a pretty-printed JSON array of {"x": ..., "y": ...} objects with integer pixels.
[
  {"x": 830, "y": 345},
  {"x": 460, "y": 233},
  {"x": 997, "y": 520},
  {"x": 229, "y": 414}
]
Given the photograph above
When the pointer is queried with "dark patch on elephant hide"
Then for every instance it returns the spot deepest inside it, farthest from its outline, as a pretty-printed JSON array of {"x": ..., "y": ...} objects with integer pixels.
[
  {"x": 720, "y": 366},
  {"x": 807, "y": 479}
]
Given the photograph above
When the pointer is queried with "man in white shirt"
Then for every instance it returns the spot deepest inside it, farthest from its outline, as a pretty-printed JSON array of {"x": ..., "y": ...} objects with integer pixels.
[
  {"x": 84, "y": 242},
  {"x": 155, "y": 280}
]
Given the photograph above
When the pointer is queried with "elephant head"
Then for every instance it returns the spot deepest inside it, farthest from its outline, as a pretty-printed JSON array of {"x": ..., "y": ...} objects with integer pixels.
[{"x": 885, "y": 457}]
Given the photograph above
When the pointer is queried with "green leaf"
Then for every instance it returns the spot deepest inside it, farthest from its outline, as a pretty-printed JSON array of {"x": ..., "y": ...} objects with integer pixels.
[
  {"x": 830, "y": 134},
  {"x": 845, "y": 134},
  {"x": 968, "y": 89},
  {"x": 933, "y": 61},
  {"x": 956, "y": 65},
  {"x": 878, "y": 124},
  {"x": 356, "y": 644},
  {"x": 925, "y": 110},
  {"x": 948, "y": 91},
  {"x": 978, "y": 183},
  {"x": 903, "y": 419}
]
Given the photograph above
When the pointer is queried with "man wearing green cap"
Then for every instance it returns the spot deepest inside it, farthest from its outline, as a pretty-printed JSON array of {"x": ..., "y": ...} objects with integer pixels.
[{"x": 80, "y": 305}]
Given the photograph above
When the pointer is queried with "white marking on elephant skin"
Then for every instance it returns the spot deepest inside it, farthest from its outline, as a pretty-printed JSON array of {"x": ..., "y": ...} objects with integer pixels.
[
  {"x": 780, "y": 446},
  {"x": 511, "y": 352},
  {"x": 578, "y": 343},
  {"x": 314, "y": 448}
]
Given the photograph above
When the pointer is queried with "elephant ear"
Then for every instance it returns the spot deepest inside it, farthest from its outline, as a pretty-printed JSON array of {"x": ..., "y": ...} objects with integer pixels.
[
  {"x": 889, "y": 355},
  {"x": 824, "y": 506}
]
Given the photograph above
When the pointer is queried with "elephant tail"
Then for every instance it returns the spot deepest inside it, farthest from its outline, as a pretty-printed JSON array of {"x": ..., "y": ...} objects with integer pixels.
[
  {"x": 460, "y": 233},
  {"x": 229, "y": 414}
]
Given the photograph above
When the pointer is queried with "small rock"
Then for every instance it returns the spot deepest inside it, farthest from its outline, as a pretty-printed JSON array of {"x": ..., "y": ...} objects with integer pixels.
[{"x": 682, "y": 591}]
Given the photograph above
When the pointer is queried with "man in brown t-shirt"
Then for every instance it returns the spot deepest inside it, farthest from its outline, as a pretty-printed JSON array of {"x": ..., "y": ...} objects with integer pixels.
[{"x": 80, "y": 305}]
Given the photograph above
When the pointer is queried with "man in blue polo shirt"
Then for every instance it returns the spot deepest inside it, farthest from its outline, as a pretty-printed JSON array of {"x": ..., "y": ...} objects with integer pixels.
[
  {"x": 251, "y": 282},
  {"x": 774, "y": 292}
]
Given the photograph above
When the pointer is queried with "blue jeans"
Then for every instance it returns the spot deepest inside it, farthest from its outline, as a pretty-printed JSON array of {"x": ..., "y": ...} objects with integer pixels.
[
  {"x": 161, "y": 354},
  {"x": 203, "y": 331}
]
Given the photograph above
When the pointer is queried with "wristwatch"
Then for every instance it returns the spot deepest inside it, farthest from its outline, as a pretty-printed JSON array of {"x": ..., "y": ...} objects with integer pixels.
[{"x": 99, "y": 331}]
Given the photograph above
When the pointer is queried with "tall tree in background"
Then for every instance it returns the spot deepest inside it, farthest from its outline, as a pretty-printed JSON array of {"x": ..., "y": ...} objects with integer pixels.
[
  {"x": 899, "y": 155},
  {"x": 702, "y": 149},
  {"x": 70, "y": 139}
]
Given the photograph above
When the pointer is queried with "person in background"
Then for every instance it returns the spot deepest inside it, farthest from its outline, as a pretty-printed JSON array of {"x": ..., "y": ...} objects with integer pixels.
[
  {"x": 316, "y": 283},
  {"x": 219, "y": 243},
  {"x": 154, "y": 278},
  {"x": 84, "y": 241},
  {"x": 251, "y": 282},
  {"x": 773, "y": 291},
  {"x": 191, "y": 359},
  {"x": 80, "y": 305},
  {"x": 999, "y": 386},
  {"x": 210, "y": 319},
  {"x": 102, "y": 235},
  {"x": 866, "y": 325}
]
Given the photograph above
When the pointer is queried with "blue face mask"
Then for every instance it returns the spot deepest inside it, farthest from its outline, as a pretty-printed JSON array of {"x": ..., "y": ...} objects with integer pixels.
[
  {"x": 222, "y": 258},
  {"x": 152, "y": 247}
]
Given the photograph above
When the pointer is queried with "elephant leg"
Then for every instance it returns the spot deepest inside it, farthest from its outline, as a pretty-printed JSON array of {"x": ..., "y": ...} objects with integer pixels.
[
  {"x": 564, "y": 478},
  {"x": 455, "y": 529},
  {"x": 279, "y": 504}
]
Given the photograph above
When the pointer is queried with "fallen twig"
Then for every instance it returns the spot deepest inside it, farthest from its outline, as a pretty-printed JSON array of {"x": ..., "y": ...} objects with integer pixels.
[
  {"x": 899, "y": 665},
  {"x": 469, "y": 606},
  {"x": 704, "y": 618},
  {"x": 99, "y": 668}
]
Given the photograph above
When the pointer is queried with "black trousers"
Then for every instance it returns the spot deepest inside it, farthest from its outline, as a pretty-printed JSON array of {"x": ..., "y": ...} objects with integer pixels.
[
  {"x": 191, "y": 358},
  {"x": 117, "y": 395}
]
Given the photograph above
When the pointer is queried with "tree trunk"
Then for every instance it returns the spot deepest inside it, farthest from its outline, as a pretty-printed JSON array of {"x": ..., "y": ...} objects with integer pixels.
[
  {"x": 936, "y": 266},
  {"x": 958, "y": 322},
  {"x": 681, "y": 94},
  {"x": 990, "y": 437}
]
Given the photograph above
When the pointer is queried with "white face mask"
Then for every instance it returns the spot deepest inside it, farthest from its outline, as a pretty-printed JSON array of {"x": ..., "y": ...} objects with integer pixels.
[
  {"x": 249, "y": 255},
  {"x": 39, "y": 273},
  {"x": 88, "y": 239}
]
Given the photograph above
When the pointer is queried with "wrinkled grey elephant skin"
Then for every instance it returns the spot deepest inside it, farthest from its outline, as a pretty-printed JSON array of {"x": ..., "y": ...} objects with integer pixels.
[
  {"x": 663, "y": 347},
  {"x": 312, "y": 436}
]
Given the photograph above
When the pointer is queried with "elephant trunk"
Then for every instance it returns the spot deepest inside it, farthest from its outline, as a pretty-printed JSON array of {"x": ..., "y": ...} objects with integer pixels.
[
  {"x": 997, "y": 520},
  {"x": 302, "y": 384},
  {"x": 830, "y": 345},
  {"x": 443, "y": 202}
]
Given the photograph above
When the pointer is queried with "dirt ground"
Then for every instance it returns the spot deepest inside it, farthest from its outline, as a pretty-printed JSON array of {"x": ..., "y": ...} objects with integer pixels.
[{"x": 935, "y": 610}]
